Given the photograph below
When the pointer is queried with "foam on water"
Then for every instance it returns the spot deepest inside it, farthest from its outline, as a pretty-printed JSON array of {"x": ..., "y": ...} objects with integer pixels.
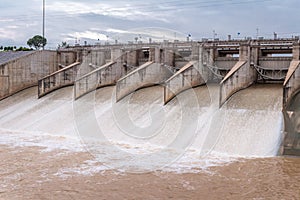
[{"x": 249, "y": 125}]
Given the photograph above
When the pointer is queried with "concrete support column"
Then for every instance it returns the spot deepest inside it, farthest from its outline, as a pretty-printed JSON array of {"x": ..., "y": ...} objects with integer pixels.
[
  {"x": 243, "y": 52},
  {"x": 115, "y": 54},
  {"x": 132, "y": 58},
  {"x": 291, "y": 90},
  {"x": 212, "y": 56},
  {"x": 169, "y": 57},
  {"x": 195, "y": 51},
  {"x": 291, "y": 84},
  {"x": 209, "y": 57},
  {"x": 242, "y": 75},
  {"x": 203, "y": 60},
  {"x": 78, "y": 56},
  {"x": 296, "y": 51},
  {"x": 157, "y": 55},
  {"x": 254, "y": 54},
  {"x": 151, "y": 54}
]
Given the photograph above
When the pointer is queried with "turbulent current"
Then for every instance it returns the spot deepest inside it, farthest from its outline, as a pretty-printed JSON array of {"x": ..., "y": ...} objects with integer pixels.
[
  {"x": 57, "y": 148},
  {"x": 140, "y": 133}
]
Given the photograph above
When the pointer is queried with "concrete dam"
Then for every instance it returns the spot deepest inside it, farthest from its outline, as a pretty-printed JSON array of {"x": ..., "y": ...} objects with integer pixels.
[{"x": 252, "y": 85}]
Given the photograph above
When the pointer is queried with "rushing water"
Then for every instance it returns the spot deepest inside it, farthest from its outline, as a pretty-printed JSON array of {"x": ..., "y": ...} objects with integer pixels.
[
  {"x": 198, "y": 147},
  {"x": 140, "y": 133}
]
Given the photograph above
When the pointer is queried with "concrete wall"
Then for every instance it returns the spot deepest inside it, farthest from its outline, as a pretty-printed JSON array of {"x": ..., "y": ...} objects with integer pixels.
[
  {"x": 146, "y": 75},
  {"x": 291, "y": 144},
  {"x": 210, "y": 61},
  {"x": 58, "y": 79},
  {"x": 272, "y": 63},
  {"x": 292, "y": 83},
  {"x": 241, "y": 76},
  {"x": 66, "y": 57},
  {"x": 226, "y": 63},
  {"x": 165, "y": 56},
  {"x": 107, "y": 74},
  {"x": 24, "y": 72},
  {"x": 91, "y": 59},
  {"x": 203, "y": 57},
  {"x": 291, "y": 109},
  {"x": 187, "y": 77}
]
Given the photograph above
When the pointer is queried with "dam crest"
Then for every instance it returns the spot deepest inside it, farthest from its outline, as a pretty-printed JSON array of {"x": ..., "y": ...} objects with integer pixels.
[{"x": 233, "y": 65}]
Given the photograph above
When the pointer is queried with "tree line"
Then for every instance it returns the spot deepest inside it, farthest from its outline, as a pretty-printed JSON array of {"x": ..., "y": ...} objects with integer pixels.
[
  {"x": 14, "y": 48},
  {"x": 37, "y": 42}
]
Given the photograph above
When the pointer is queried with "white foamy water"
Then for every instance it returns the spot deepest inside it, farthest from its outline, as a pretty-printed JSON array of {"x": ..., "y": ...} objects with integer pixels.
[{"x": 140, "y": 133}]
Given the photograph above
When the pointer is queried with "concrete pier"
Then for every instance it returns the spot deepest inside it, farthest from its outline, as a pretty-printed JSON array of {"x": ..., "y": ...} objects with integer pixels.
[
  {"x": 61, "y": 78},
  {"x": 148, "y": 74},
  {"x": 241, "y": 76},
  {"x": 22, "y": 72},
  {"x": 187, "y": 77},
  {"x": 291, "y": 108},
  {"x": 105, "y": 75},
  {"x": 84, "y": 61},
  {"x": 235, "y": 64},
  {"x": 291, "y": 85}
]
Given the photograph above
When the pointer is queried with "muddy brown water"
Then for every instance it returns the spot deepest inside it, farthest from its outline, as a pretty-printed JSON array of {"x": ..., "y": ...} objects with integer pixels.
[
  {"x": 29, "y": 173},
  {"x": 41, "y": 160}
]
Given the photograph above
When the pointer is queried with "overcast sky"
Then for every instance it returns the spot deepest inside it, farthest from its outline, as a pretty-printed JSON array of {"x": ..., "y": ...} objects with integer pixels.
[{"x": 90, "y": 20}]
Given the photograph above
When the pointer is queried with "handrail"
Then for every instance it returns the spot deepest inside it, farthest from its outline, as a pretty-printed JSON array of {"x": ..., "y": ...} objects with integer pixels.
[
  {"x": 61, "y": 78},
  {"x": 180, "y": 81},
  {"x": 134, "y": 71},
  {"x": 261, "y": 69},
  {"x": 291, "y": 85},
  {"x": 148, "y": 74},
  {"x": 216, "y": 71},
  {"x": 235, "y": 68},
  {"x": 63, "y": 69},
  {"x": 227, "y": 90},
  {"x": 184, "y": 68},
  {"x": 97, "y": 78},
  {"x": 92, "y": 72}
]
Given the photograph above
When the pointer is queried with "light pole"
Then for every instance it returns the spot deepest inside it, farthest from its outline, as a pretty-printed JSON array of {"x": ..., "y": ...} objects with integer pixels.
[{"x": 43, "y": 21}]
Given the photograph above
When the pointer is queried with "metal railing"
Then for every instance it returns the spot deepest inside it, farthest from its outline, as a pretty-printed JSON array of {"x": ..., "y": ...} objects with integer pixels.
[
  {"x": 58, "y": 79},
  {"x": 271, "y": 74},
  {"x": 187, "y": 77},
  {"x": 105, "y": 75}
]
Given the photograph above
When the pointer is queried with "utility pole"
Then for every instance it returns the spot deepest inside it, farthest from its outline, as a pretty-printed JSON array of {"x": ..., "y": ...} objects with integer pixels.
[
  {"x": 214, "y": 35},
  {"x": 257, "y": 33},
  {"x": 43, "y": 21}
]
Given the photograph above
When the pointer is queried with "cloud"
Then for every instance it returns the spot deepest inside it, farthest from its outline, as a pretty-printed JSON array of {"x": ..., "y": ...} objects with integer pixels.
[
  {"x": 94, "y": 19},
  {"x": 7, "y": 33},
  {"x": 112, "y": 30},
  {"x": 87, "y": 35},
  {"x": 127, "y": 11},
  {"x": 6, "y": 20}
]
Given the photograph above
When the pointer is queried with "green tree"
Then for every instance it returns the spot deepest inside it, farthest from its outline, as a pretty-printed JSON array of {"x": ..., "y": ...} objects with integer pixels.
[
  {"x": 63, "y": 45},
  {"x": 1, "y": 48},
  {"x": 23, "y": 49},
  {"x": 37, "y": 42}
]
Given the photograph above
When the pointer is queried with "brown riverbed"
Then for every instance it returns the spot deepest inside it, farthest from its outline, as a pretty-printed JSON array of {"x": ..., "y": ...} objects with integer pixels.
[{"x": 32, "y": 173}]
